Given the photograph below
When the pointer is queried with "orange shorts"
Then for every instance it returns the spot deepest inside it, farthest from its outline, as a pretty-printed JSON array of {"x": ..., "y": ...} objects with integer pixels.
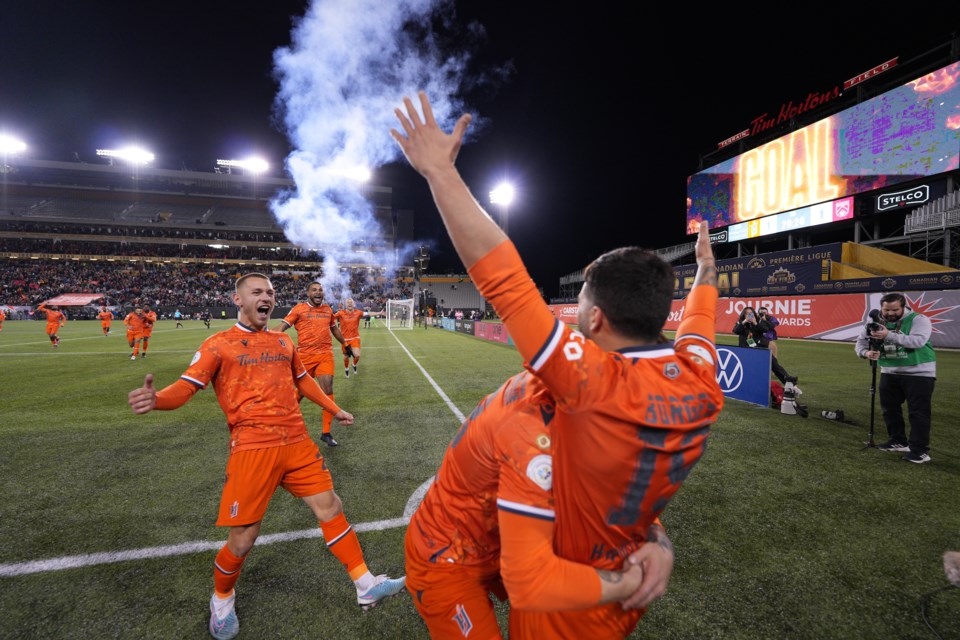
[
  {"x": 133, "y": 335},
  {"x": 454, "y": 600},
  {"x": 105, "y": 325},
  {"x": 318, "y": 364},
  {"x": 604, "y": 622},
  {"x": 146, "y": 333},
  {"x": 253, "y": 476},
  {"x": 52, "y": 329},
  {"x": 353, "y": 342}
]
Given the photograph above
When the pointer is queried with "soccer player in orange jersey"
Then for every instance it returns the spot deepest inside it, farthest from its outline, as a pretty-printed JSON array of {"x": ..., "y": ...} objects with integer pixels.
[
  {"x": 149, "y": 319},
  {"x": 134, "y": 323},
  {"x": 348, "y": 320},
  {"x": 106, "y": 317},
  {"x": 3, "y": 317},
  {"x": 633, "y": 411},
  {"x": 55, "y": 320},
  {"x": 491, "y": 507},
  {"x": 257, "y": 375},
  {"x": 315, "y": 323}
]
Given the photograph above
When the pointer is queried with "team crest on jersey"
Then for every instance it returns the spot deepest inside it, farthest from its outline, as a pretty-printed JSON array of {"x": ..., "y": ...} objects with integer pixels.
[
  {"x": 463, "y": 621},
  {"x": 196, "y": 358},
  {"x": 234, "y": 509},
  {"x": 671, "y": 370},
  {"x": 540, "y": 470}
]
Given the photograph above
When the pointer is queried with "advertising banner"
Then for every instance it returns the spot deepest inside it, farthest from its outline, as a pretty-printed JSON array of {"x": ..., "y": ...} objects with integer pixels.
[
  {"x": 744, "y": 374},
  {"x": 781, "y": 272},
  {"x": 493, "y": 331},
  {"x": 464, "y": 326},
  {"x": 836, "y": 317}
]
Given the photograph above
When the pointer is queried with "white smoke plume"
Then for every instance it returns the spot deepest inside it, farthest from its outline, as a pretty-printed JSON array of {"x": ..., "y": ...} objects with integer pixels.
[{"x": 349, "y": 64}]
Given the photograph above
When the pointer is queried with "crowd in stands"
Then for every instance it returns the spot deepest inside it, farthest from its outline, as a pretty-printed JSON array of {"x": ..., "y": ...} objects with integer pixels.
[{"x": 30, "y": 282}]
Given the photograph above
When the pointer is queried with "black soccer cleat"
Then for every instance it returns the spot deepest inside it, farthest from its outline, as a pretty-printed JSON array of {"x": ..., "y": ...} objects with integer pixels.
[{"x": 328, "y": 439}]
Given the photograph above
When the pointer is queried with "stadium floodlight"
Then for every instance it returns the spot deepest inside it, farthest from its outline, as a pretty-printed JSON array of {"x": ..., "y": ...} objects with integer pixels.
[
  {"x": 133, "y": 155},
  {"x": 253, "y": 164},
  {"x": 10, "y": 145},
  {"x": 502, "y": 195}
]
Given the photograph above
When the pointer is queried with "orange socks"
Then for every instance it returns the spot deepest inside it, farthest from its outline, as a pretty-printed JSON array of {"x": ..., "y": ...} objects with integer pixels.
[
  {"x": 226, "y": 571},
  {"x": 327, "y": 420},
  {"x": 343, "y": 543}
]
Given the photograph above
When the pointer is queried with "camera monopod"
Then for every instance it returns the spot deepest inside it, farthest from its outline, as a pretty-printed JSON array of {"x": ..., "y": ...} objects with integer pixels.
[{"x": 875, "y": 345}]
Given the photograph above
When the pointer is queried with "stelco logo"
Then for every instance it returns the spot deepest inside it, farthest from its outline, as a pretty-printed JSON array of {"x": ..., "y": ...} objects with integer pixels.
[
  {"x": 917, "y": 195},
  {"x": 730, "y": 370}
]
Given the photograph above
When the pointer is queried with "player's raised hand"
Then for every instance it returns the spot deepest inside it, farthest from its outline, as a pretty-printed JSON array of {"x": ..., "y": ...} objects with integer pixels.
[
  {"x": 427, "y": 147},
  {"x": 144, "y": 399},
  {"x": 704, "y": 250},
  {"x": 706, "y": 264},
  {"x": 344, "y": 418}
]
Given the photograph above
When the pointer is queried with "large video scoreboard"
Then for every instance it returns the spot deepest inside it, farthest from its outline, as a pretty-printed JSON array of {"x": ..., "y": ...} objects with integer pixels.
[{"x": 905, "y": 134}]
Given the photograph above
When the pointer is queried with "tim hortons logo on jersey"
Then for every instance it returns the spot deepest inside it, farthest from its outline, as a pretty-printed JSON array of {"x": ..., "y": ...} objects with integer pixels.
[
  {"x": 730, "y": 374},
  {"x": 909, "y": 197},
  {"x": 265, "y": 358}
]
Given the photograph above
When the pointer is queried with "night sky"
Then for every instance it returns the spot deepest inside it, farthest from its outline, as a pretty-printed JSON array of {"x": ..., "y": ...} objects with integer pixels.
[{"x": 597, "y": 115}]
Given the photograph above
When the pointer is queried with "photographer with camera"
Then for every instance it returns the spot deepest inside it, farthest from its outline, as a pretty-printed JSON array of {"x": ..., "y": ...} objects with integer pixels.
[
  {"x": 751, "y": 327},
  {"x": 898, "y": 339},
  {"x": 771, "y": 334}
]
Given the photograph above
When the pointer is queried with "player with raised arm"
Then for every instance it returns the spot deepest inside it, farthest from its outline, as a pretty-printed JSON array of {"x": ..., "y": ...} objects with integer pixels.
[
  {"x": 348, "y": 320},
  {"x": 258, "y": 379},
  {"x": 633, "y": 411},
  {"x": 315, "y": 324},
  {"x": 55, "y": 320}
]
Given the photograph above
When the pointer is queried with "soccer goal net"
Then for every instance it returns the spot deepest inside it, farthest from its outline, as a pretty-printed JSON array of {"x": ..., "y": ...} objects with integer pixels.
[{"x": 399, "y": 314}]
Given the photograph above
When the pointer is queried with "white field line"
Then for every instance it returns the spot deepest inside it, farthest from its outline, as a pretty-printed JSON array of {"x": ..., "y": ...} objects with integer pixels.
[{"x": 109, "y": 557}]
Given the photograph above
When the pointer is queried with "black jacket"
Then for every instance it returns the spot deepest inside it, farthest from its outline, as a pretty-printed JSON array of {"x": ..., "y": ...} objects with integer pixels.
[{"x": 746, "y": 330}]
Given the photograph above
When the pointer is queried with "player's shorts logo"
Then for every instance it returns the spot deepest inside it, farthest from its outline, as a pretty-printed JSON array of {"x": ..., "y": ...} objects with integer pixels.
[
  {"x": 234, "y": 509},
  {"x": 730, "y": 375},
  {"x": 463, "y": 621}
]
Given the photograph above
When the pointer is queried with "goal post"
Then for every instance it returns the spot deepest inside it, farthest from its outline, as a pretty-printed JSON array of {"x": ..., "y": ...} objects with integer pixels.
[{"x": 399, "y": 314}]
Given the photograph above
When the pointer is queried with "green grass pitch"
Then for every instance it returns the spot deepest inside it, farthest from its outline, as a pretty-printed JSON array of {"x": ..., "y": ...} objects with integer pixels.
[{"x": 787, "y": 528}]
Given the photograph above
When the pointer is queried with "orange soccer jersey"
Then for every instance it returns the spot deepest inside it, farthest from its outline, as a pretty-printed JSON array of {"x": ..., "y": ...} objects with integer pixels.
[
  {"x": 262, "y": 408},
  {"x": 349, "y": 323},
  {"x": 148, "y": 321},
  {"x": 313, "y": 327},
  {"x": 54, "y": 318},
  {"x": 495, "y": 477},
  {"x": 630, "y": 426},
  {"x": 134, "y": 325},
  {"x": 105, "y": 318}
]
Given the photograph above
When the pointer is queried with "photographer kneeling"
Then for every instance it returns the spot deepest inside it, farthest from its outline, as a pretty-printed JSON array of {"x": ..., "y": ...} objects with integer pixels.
[
  {"x": 751, "y": 327},
  {"x": 899, "y": 341}
]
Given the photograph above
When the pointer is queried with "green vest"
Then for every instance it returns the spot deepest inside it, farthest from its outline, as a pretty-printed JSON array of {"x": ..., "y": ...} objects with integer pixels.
[{"x": 895, "y": 355}]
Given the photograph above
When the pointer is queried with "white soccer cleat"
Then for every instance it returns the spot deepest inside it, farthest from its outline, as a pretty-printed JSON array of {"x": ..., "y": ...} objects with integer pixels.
[{"x": 383, "y": 587}]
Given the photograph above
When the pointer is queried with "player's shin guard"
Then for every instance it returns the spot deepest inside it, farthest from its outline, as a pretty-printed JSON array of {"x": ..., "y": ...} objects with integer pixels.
[
  {"x": 226, "y": 571},
  {"x": 343, "y": 543}
]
